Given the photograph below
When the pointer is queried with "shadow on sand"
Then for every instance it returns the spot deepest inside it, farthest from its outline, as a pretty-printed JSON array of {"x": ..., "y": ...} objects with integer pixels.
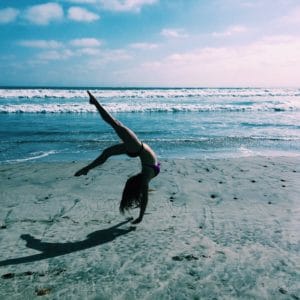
[{"x": 50, "y": 250}]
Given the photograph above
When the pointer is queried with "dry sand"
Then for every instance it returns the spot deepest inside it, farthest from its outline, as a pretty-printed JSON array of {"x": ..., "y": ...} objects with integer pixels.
[{"x": 214, "y": 229}]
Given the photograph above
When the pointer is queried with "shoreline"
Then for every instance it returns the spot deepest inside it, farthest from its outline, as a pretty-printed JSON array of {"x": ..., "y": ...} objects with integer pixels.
[
  {"x": 213, "y": 228},
  {"x": 275, "y": 155}
]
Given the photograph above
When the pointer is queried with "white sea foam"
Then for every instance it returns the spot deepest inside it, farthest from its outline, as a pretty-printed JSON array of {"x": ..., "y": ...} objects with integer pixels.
[
  {"x": 148, "y": 106},
  {"x": 148, "y": 93},
  {"x": 149, "y": 100},
  {"x": 36, "y": 155},
  {"x": 61, "y": 108},
  {"x": 45, "y": 108}
]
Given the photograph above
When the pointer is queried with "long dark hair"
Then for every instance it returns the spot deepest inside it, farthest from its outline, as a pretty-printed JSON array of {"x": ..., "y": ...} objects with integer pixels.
[{"x": 132, "y": 193}]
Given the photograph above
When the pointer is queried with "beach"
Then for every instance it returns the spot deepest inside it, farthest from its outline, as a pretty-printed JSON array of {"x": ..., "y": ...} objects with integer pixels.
[
  {"x": 186, "y": 112},
  {"x": 214, "y": 229}
]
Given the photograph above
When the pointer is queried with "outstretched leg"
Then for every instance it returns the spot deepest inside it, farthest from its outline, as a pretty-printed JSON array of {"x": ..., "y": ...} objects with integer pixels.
[{"x": 129, "y": 138}]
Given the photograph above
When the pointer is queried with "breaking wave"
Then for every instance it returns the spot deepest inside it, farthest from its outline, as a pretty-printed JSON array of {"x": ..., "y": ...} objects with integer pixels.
[
  {"x": 27, "y": 93},
  {"x": 149, "y": 100}
]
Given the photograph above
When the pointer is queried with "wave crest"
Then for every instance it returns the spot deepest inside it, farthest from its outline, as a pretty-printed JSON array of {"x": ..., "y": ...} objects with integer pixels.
[
  {"x": 132, "y": 108},
  {"x": 133, "y": 93}
]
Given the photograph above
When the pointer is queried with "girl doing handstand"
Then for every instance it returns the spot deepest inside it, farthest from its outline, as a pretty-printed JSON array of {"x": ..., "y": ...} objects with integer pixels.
[{"x": 135, "y": 193}]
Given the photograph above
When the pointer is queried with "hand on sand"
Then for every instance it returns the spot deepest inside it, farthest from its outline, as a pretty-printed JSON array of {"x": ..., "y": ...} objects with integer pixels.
[
  {"x": 83, "y": 171},
  {"x": 92, "y": 98},
  {"x": 136, "y": 221},
  {"x": 26, "y": 237}
]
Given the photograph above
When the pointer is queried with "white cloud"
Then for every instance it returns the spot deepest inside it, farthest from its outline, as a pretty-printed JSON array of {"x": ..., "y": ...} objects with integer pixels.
[
  {"x": 232, "y": 30},
  {"x": 101, "y": 57},
  {"x": 60, "y": 51},
  {"x": 89, "y": 51},
  {"x": 55, "y": 55},
  {"x": 117, "y": 5},
  {"x": 42, "y": 44},
  {"x": 144, "y": 46},
  {"x": 126, "y": 5},
  {"x": 108, "y": 57},
  {"x": 82, "y": 15},
  {"x": 174, "y": 33},
  {"x": 86, "y": 43},
  {"x": 116, "y": 55},
  {"x": 8, "y": 15},
  {"x": 248, "y": 4},
  {"x": 43, "y": 14},
  {"x": 272, "y": 61},
  {"x": 83, "y": 1}
]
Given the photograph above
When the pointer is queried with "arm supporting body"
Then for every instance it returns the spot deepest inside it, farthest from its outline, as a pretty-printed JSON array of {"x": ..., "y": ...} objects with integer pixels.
[{"x": 144, "y": 203}]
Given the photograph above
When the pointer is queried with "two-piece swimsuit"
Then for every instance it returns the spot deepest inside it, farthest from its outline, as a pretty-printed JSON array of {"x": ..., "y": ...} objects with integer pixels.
[{"x": 156, "y": 168}]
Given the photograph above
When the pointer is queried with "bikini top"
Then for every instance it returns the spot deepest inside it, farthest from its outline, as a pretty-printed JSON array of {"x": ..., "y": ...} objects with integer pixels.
[{"x": 156, "y": 168}]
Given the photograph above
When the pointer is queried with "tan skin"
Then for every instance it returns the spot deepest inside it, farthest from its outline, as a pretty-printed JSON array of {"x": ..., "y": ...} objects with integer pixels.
[{"x": 130, "y": 143}]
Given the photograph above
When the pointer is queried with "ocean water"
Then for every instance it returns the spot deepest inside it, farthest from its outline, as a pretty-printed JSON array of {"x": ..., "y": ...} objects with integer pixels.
[{"x": 58, "y": 124}]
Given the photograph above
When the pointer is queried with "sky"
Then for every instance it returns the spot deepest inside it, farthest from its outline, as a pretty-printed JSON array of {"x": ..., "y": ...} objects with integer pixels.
[{"x": 150, "y": 43}]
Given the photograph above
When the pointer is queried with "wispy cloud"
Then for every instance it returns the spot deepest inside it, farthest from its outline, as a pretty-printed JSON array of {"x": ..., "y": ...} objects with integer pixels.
[
  {"x": 241, "y": 3},
  {"x": 83, "y": 1},
  {"x": 89, "y": 51},
  {"x": 273, "y": 60},
  {"x": 293, "y": 17},
  {"x": 273, "y": 50},
  {"x": 86, "y": 42},
  {"x": 126, "y": 5},
  {"x": 174, "y": 33},
  {"x": 144, "y": 46},
  {"x": 230, "y": 31},
  {"x": 8, "y": 15},
  {"x": 63, "y": 50},
  {"x": 82, "y": 15},
  {"x": 55, "y": 55},
  {"x": 117, "y": 5},
  {"x": 43, "y": 14},
  {"x": 116, "y": 55},
  {"x": 41, "y": 44},
  {"x": 107, "y": 57}
]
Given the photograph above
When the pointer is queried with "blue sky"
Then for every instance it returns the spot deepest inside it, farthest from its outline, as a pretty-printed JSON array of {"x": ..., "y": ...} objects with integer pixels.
[{"x": 201, "y": 43}]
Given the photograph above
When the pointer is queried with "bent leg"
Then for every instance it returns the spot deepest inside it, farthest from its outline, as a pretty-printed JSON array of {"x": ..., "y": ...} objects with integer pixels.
[
  {"x": 113, "y": 150},
  {"x": 108, "y": 152}
]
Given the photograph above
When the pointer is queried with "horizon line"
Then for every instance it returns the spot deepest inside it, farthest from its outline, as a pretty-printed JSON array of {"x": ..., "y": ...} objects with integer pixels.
[{"x": 137, "y": 87}]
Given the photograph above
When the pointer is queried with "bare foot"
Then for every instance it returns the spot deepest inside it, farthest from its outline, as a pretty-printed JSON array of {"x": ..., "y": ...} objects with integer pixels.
[
  {"x": 93, "y": 100},
  {"x": 82, "y": 171}
]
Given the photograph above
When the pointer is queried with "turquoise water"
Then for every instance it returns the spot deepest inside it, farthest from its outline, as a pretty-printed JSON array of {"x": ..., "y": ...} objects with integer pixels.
[{"x": 59, "y": 124}]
